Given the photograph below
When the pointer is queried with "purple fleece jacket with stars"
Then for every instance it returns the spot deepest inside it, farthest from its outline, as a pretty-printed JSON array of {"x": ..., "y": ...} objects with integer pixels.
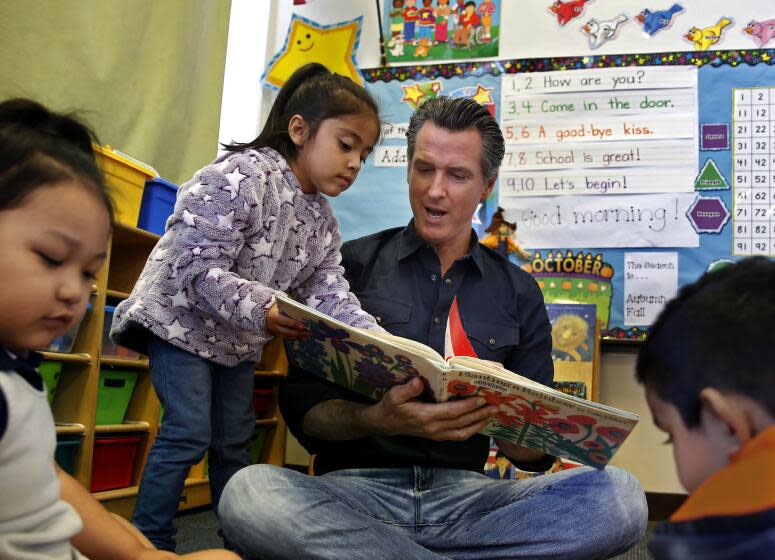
[{"x": 242, "y": 231}]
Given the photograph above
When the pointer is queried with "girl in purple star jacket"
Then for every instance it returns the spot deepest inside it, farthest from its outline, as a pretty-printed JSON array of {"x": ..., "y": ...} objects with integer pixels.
[{"x": 250, "y": 225}]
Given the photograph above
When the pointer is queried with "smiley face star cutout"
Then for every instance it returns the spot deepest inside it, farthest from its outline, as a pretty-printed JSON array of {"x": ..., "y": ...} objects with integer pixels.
[{"x": 332, "y": 45}]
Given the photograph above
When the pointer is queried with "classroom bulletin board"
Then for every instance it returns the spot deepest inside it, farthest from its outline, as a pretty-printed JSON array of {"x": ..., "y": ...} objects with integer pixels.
[{"x": 627, "y": 175}]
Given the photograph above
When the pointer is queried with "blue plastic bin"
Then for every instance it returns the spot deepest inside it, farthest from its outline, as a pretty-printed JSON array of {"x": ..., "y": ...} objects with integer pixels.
[{"x": 158, "y": 203}]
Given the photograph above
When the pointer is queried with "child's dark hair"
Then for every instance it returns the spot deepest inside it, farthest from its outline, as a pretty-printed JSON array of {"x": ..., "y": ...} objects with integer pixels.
[
  {"x": 39, "y": 147},
  {"x": 316, "y": 94},
  {"x": 718, "y": 332}
]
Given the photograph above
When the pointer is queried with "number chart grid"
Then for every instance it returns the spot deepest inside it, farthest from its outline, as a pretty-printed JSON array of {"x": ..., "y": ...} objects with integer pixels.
[{"x": 753, "y": 162}]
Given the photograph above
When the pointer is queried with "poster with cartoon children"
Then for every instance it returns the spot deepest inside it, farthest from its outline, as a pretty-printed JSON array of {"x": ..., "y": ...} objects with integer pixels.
[{"x": 430, "y": 30}]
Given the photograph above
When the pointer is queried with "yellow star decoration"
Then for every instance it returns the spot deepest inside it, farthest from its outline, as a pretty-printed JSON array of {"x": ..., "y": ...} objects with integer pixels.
[
  {"x": 412, "y": 93},
  {"x": 331, "y": 45},
  {"x": 483, "y": 95},
  {"x": 765, "y": 57}
]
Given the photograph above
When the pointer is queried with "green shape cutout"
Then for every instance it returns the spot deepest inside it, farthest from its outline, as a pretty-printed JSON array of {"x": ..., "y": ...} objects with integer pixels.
[{"x": 710, "y": 178}]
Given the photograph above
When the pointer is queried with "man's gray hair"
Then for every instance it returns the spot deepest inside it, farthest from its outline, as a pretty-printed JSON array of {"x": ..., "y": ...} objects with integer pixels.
[{"x": 456, "y": 114}]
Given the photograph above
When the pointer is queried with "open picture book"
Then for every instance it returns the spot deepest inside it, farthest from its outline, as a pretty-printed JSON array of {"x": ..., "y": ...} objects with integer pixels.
[{"x": 530, "y": 414}]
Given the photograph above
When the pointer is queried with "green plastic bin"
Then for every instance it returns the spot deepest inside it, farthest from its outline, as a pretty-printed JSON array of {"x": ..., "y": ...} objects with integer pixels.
[
  {"x": 114, "y": 393},
  {"x": 257, "y": 443},
  {"x": 50, "y": 371}
]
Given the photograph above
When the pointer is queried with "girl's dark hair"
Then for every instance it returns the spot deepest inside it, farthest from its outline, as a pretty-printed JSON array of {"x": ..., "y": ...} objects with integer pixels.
[
  {"x": 315, "y": 93},
  {"x": 39, "y": 147}
]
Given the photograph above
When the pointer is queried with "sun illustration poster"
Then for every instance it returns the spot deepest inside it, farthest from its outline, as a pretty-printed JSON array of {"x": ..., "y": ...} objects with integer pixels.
[{"x": 333, "y": 45}]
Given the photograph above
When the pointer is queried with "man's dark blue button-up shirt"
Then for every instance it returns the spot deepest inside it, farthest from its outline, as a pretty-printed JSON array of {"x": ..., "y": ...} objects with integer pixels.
[{"x": 396, "y": 276}]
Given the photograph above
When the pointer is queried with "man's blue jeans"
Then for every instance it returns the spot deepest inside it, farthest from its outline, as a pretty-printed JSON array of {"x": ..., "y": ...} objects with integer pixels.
[
  {"x": 423, "y": 513},
  {"x": 205, "y": 406}
]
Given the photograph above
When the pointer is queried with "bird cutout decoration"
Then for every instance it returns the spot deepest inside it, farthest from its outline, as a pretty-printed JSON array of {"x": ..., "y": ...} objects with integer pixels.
[
  {"x": 333, "y": 45},
  {"x": 761, "y": 31},
  {"x": 501, "y": 236},
  {"x": 654, "y": 22},
  {"x": 566, "y": 11},
  {"x": 706, "y": 37},
  {"x": 599, "y": 32}
]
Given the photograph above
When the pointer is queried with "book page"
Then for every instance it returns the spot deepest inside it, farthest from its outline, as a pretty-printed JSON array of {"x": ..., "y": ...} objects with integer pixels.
[
  {"x": 409, "y": 344},
  {"x": 302, "y": 312},
  {"x": 361, "y": 360},
  {"x": 539, "y": 417},
  {"x": 509, "y": 377},
  {"x": 494, "y": 369}
]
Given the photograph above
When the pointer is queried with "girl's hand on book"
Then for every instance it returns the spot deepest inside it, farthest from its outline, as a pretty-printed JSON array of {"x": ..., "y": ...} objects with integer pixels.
[
  {"x": 283, "y": 326},
  {"x": 400, "y": 413}
]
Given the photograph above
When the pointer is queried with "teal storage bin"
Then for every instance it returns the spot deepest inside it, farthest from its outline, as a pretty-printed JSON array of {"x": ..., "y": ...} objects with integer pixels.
[
  {"x": 158, "y": 203},
  {"x": 50, "y": 371},
  {"x": 67, "y": 447},
  {"x": 109, "y": 348},
  {"x": 65, "y": 342},
  {"x": 113, "y": 396}
]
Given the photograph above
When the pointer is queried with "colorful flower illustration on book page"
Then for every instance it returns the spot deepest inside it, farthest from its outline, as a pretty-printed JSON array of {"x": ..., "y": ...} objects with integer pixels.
[
  {"x": 541, "y": 425},
  {"x": 307, "y": 354},
  {"x": 366, "y": 369}
]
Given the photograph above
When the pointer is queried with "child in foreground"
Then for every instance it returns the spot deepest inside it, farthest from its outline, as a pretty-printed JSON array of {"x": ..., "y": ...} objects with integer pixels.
[
  {"x": 250, "y": 225},
  {"x": 710, "y": 385},
  {"x": 55, "y": 219}
]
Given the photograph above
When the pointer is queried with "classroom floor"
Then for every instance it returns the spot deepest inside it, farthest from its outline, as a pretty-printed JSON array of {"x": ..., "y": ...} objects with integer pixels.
[{"x": 197, "y": 530}]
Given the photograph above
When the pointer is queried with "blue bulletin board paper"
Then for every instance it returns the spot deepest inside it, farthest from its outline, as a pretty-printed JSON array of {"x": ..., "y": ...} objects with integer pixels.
[{"x": 379, "y": 197}]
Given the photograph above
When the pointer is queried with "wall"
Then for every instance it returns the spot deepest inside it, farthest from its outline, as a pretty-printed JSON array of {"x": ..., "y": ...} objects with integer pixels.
[
  {"x": 148, "y": 75},
  {"x": 644, "y": 454},
  {"x": 245, "y": 55}
]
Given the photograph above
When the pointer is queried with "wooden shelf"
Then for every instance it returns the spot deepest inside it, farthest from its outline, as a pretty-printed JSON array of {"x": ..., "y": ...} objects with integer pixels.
[
  {"x": 141, "y": 363},
  {"x": 131, "y": 491},
  {"x": 122, "y": 428},
  {"x": 67, "y": 358},
  {"x": 70, "y": 429},
  {"x": 195, "y": 482},
  {"x": 266, "y": 422},
  {"x": 116, "y": 294},
  {"x": 122, "y": 231},
  {"x": 270, "y": 373}
]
